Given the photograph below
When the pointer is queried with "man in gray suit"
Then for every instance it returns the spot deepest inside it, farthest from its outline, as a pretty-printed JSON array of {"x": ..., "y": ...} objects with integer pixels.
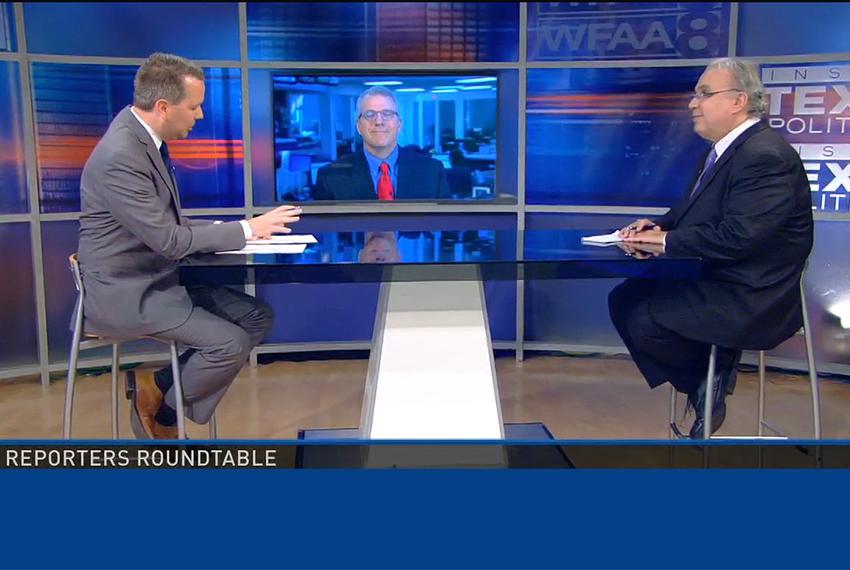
[{"x": 133, "y": 236}]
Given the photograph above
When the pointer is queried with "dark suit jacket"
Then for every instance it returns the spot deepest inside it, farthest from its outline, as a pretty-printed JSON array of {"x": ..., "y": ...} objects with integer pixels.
[
  {"x": 347, "y": 178},
  {"x": 751, "y": 223},
  {"x": 132, "y": 236}
]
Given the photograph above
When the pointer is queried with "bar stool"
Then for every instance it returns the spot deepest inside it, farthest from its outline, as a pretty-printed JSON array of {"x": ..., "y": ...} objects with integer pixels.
[
  {"x": 91, "y": 341},
  {"x": 762, "y": 424}
]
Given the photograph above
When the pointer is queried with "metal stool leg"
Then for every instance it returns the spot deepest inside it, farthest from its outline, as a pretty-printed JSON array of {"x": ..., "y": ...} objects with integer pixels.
[
  {"x": 709, "y": 392},
  {"x": 671, "y": 432},
  {"x": 72, "y": 371},
  {"x": 178, "y": 391},
  {"x": 213, "y": 428},
  {"x": 116, "y": 367},
  {"x": 761, "y": 393},
  {"x": 813, "y": 371}
]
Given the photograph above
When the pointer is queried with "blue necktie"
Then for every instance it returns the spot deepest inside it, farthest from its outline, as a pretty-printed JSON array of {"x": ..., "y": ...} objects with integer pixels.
[
  {"x": 709, "y": 162},
  {"x": 166, "y": 158}
]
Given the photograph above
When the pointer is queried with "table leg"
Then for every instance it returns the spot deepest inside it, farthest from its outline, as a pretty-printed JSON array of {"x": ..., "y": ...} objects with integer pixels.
[{"x": 431, "y": 369}]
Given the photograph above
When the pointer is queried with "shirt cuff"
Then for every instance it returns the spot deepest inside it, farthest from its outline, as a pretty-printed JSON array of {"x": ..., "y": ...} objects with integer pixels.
[
  {"x": 664, "y": 243},
  {"x": 246, "y": 229}
]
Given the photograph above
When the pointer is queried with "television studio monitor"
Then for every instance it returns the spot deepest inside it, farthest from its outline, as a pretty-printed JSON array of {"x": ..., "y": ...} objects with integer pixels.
[{"x": 445, "y": 135}]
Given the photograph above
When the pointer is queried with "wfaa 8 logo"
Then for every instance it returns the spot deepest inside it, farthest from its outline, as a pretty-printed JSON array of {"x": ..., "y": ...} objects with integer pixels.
[{"x": 622, "y": 30}]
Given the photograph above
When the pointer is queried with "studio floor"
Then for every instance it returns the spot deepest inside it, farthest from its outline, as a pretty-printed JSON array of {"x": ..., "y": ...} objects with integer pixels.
[{"x": 575, "y": 397}]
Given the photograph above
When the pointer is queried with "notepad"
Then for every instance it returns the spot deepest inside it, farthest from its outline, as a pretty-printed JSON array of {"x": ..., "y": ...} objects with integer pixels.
[
  {"x": 290, "y": 248},
  {"x": 605, "y": 239},
  {"x": 283, "y": 239}
]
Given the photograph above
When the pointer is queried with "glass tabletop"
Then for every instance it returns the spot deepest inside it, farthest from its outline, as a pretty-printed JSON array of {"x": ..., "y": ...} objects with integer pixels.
[{"x": 434, "y": 255}]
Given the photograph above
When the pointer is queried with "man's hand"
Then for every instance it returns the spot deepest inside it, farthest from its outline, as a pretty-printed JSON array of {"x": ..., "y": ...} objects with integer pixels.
[
  {"x": 641, "y": 250},
  {"x": 647, "y": 236},
  {"x": 274, "y": 222},
  {"x": 637, "y": 226}
]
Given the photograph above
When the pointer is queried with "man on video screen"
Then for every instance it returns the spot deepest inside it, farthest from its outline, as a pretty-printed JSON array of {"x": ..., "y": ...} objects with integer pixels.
[{"x": 383, "y": 170}]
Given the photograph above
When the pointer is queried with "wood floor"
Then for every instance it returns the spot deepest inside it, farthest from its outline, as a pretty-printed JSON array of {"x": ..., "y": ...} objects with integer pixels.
[{"x": 576, "y": 397}]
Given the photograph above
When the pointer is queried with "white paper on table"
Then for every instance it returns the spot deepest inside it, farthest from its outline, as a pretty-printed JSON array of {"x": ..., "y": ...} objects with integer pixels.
[
  {"x": 292, "y": 248},
  {"x": 606, "y": 239},
  {"x": 283, "y": 239}
]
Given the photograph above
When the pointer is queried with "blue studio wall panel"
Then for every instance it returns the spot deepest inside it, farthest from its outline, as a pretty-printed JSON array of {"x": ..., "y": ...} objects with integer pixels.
[
  {"x": 792, "y": 28},
  {"x": 383, "y": 31},
  {"x": 17, "y": 289},
  {"x": 133, "y": 29},
  {"x": 74, "y": 105},
  {"x": 8, "y": 38},
  {"x": 567, "y": 31},
  {"x": 13, "y": 178},
  {"x": 262, "y": 137},
  {"x": 604, "y": 136}
]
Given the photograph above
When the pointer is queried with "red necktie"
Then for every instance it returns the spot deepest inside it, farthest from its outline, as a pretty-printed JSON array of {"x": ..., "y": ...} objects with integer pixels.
[{"x": 385, "y": 185}]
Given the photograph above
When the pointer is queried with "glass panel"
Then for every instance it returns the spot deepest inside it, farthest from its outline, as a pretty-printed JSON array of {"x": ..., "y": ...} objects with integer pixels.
[
  {"x": 133, "y": 29},
  {"x": 571, "y": 311},
  {"x": 13, "y": 177},
  {"x": 8, "y": 39},
  {"x": 610, "y": 136},
  {"x": 794, "y": 28},
  {"x": 18, "y": 319},
  {"x": 383, "y": 31},
  {"x": 351, "y": 306},
  {"x": 564, "y": 31},
  {"x": 74, "y": 105},
  {"x": 808, "y": 104}
]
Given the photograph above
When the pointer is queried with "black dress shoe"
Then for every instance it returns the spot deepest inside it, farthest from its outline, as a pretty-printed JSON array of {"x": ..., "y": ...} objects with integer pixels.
[
  {"x": 718, "y": 412},
  {"x": 722, "y": 377}
]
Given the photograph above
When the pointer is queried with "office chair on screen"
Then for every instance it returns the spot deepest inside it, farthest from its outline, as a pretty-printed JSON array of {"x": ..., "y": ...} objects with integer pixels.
[
  {"x": 81, "y": 341},
  {"x": 762, "y": 424}
]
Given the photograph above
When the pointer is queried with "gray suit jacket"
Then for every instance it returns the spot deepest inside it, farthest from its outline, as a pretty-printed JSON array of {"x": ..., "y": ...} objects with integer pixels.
[{"x": 132, "y": 236}]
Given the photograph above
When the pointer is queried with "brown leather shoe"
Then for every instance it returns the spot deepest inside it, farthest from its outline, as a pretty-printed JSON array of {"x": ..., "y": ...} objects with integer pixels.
[{"x": 146, "y": 398}]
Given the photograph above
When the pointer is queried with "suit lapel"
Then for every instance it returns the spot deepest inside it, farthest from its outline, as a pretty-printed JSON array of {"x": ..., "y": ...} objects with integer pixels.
[
  {"x": 405, "y": 176},
  {"x": 156, "y": 158},
  {"x": 153, "y": 155},
  {"x": 721, "y": 163},
  {"x": 362, "y": 178}
]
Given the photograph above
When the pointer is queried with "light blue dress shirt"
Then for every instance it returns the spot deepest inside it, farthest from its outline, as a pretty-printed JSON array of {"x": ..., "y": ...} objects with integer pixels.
[{"x": 375, "y": 168}]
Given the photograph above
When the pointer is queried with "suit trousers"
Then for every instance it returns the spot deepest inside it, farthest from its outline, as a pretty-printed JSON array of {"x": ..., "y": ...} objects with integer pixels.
[
  {"x": 221, "y": 330},
  {"x": 661, "y": 354}
]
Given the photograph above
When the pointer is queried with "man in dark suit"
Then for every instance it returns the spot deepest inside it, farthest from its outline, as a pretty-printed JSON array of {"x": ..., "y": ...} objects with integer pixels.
[
  {"x": 748, "y": 215},
  {"x": 132, "y": 237},
  {"x": 383, "y": 170}
]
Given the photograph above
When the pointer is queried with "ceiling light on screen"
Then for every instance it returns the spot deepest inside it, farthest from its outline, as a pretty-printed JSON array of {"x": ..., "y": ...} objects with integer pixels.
[{"x": 476, "y": 80}]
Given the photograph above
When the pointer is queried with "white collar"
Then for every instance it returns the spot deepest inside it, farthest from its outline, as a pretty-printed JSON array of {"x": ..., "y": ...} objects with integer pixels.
[
  {"x": 156, "y": 140},
  {"x": 724, "y": 143}
]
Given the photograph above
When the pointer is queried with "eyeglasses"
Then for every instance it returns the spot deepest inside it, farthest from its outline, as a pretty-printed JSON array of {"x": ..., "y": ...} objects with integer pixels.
[
  {"x": 386, "y": 114},
  {"x": 703, "y": 95}
]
